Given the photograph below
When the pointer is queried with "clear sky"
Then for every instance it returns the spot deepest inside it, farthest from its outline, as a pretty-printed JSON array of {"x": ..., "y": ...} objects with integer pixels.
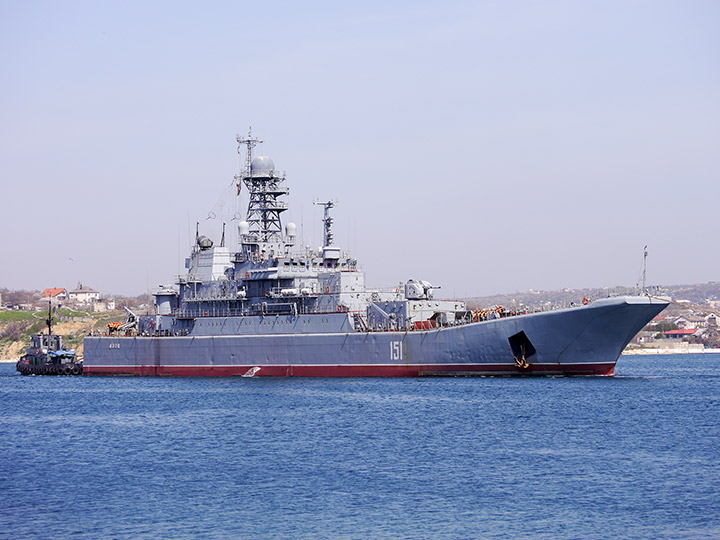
[{"x": 485, "y": 146}]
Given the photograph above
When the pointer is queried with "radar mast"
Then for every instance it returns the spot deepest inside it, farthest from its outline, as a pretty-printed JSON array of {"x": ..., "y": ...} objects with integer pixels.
[
  {"x": 327, "y": 221},
  {"x": 261, "y": 235},
  {"x": 250, "y": 143}
]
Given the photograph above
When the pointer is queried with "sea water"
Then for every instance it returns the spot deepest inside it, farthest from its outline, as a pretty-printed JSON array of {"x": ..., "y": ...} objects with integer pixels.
[{"x": 633, "y": 456}]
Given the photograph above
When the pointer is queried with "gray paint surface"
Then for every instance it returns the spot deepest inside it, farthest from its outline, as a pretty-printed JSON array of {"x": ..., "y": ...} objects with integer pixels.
[{"x": 583, "y": 335}]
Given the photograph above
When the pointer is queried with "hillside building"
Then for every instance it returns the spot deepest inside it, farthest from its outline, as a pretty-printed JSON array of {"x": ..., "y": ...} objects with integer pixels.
[
  {"x": 55, "y": 294},
  {"x": 83, "y": 295},
  {"x": 680, "y": 334}
]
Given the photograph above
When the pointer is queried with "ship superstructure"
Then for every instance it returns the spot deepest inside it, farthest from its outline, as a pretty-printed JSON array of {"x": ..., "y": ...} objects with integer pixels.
[
  {"x": 268, "y": 276},
  {"x": 269, "y": 307}
]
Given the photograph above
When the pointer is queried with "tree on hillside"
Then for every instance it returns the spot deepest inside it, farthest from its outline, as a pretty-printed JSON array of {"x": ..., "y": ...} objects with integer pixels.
[
  {"x": 19, "y": 297},
  {"x": 663, "y": 327}
]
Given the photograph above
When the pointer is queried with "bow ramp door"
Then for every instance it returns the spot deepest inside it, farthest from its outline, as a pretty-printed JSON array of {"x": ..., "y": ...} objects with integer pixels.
[{"x": 521, "y": 347}]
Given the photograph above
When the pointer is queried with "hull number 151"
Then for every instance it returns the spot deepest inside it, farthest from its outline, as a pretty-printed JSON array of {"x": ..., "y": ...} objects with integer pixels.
[{"x": 396, "y": 350}]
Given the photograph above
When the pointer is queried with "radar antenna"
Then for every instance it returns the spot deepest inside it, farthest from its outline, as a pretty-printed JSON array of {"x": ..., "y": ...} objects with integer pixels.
[
  {"x": 250, "y": 143},
  {"x": 327, "y": 220}
]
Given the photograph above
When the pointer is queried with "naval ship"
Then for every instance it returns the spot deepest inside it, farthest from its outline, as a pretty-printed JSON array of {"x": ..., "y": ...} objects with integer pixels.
[{"x": 268, "y": 307}]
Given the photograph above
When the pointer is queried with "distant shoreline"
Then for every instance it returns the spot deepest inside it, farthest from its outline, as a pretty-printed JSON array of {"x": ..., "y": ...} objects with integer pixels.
[{"x": 640, "y": 352}]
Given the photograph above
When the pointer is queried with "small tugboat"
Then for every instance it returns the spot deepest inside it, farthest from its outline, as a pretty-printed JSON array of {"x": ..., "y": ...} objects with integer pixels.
[{"x": 47, "y": 356}]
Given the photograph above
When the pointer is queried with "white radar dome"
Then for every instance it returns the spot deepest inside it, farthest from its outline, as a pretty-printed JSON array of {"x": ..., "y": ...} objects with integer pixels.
[
  {"x": 290, "y": 229},
  {"x": 243, "y": 227},
  {"x": 261, "y": 166}
]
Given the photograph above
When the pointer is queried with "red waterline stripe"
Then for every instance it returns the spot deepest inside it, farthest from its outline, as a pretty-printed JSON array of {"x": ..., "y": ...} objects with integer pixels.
[{"x": 353, "y": 370}]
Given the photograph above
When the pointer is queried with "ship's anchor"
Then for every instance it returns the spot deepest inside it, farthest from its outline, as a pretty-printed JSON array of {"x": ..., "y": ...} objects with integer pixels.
[
  {"x": 522, "y": 349},
  {"x": 521, "y": 362}
]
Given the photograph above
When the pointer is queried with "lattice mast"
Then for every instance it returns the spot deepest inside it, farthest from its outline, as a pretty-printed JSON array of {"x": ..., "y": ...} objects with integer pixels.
[{"x": 264, "y": 228}]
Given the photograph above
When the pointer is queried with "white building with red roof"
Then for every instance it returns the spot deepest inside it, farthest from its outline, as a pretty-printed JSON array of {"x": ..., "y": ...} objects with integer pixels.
[
  {"x": 681, "y": 333},
  {"x": 55, "y": 293}
]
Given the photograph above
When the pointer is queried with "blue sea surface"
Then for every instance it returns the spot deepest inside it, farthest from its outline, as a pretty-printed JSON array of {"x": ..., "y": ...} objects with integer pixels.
[{"x": 633, "y": 456}]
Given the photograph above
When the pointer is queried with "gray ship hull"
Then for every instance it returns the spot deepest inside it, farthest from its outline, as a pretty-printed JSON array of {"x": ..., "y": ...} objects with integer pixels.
[{"x": 583, "y": 340}]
